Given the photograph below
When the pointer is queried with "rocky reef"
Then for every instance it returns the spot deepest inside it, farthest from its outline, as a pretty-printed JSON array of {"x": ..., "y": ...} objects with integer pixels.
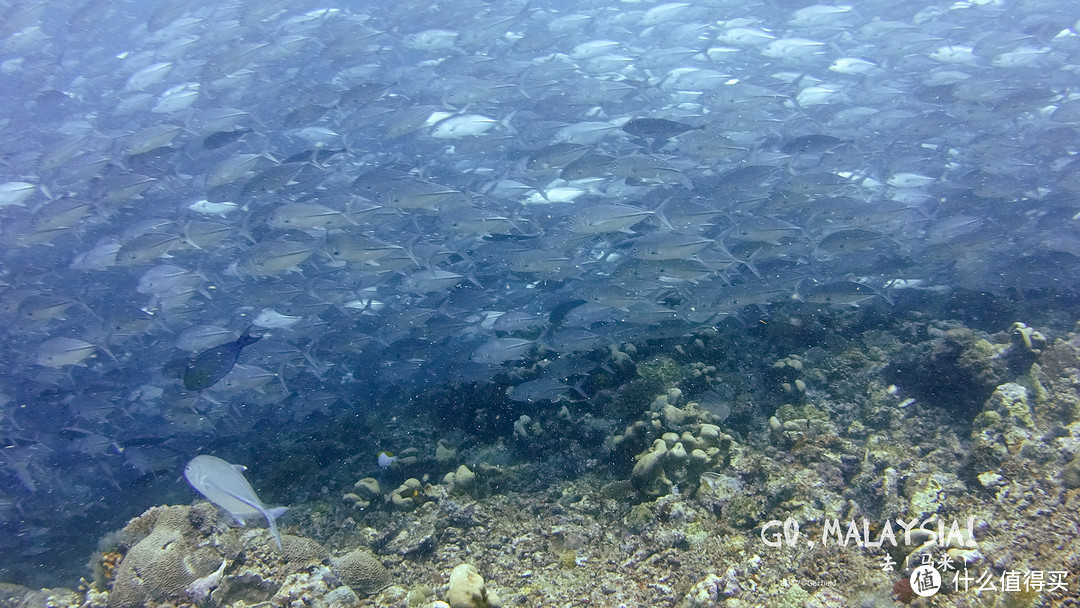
[{"x": 880, "y": 446}]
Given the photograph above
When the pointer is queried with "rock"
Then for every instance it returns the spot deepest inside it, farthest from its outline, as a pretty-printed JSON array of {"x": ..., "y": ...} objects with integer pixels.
[
  {"x": 12, "y": 595},
  {"x": 1004, "y": 427},
  {"x": 201, "y": 588},
  {"x": 368, "y": 487},
  {"x": 47, "y": 598},
  {"x": 462, "y": 480},
  {"x": 341, "y": 597},
  {"x": 1011, "y": 399},
  {"x": 989, "y": 479},
  {"x": 705, "y": 593},
  {"x": 711, "y": 590},
  {"x": 926, "y": 493},
  {"x": 467, "y": 589},
  {"x": 304, "y": 588},
  {"x": 444, "y": 453},
  {"x": 418, "y": 595},
  {"x": 415, "y": 539},
  {"x": 826, "y": 598},
  {"x": 1070, "y": 473},
  {"x": 247, "y": 588}
]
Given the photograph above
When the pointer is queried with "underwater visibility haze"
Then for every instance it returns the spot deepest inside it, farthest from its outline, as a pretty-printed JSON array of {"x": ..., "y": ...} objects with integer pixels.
[{"x": 539, "y": 303}]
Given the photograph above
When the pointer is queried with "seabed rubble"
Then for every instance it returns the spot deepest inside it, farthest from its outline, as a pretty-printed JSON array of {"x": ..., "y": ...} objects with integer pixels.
[{"x": 663, "y": 500}]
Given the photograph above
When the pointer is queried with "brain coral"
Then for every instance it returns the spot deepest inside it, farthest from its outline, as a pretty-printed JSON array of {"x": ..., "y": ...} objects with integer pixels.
[
  {"x": 160, "y": 566},
  {"x": 301, "y": 550},
  {"x": 360, "y": 570}
]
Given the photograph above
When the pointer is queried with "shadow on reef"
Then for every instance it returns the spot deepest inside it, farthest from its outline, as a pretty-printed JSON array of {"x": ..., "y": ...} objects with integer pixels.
[{"x": 957, "y": 369}]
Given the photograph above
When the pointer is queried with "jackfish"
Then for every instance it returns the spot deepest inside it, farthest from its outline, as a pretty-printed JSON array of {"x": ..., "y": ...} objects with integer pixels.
[{"x": 224, "y": 485}]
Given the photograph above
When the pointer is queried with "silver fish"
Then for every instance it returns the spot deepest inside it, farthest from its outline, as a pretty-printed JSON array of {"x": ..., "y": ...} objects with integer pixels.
[{"x": 224, "y": 485}]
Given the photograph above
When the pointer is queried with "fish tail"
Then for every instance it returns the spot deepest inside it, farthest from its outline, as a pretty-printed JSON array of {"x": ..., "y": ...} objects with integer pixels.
[
  {"x": 581, "y": 391},
  {"x": 246, "y": 338},
  {"x": 271, "y": 520},
  {"x": 274, "y": 532},
  {"x": 659, "y": 214}
]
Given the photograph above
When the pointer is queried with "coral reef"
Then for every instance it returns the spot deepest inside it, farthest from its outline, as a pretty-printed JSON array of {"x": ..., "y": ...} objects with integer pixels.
[
  {"x": 366, "y": 490},
  {"x": 683, "y": 445},
  {"x": 247, "y": 587},
  {"x": 956, "y": 369},
  {"x": 1004, "y": 430},
  {"x": 185, "y": 554},
  {"x": 409, "y": 495},
  {"x": 646, "y": 497},
  {"x": 711, "y": 590}
]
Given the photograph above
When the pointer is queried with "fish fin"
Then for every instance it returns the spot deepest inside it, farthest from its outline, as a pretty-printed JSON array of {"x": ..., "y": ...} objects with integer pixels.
[
  {"x": 577, "y": 388},
  {"x": 798, "y": 290},
  {"x": 271, "y": 520},
  {"x": 274, "y": 532},
  {"x": 269, "y": 514},
  {"x": 345, "y": 214},
  {"x": 886, "y": 294},
  {"x": 257, "y": 506},
  {"x": 749, "y": 262},
  {"x": 658, "y": 213},
  {"x": 505, "y": 123},
  {"x": 246, "y": 339},
  {"x": 471, "y": 277}
]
